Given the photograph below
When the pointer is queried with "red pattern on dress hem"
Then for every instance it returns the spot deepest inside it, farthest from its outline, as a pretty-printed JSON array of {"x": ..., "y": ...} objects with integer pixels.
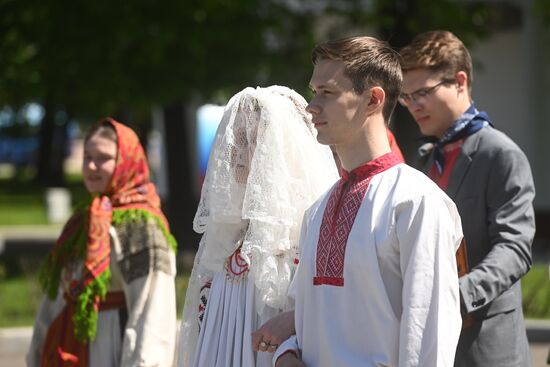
[{"x": 339, "y": 282}]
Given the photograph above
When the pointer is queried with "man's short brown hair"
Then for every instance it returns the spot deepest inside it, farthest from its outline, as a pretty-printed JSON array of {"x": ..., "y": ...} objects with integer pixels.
[
  {"x": 368, "y": 62},
  {"x": 438, "y": 51}
]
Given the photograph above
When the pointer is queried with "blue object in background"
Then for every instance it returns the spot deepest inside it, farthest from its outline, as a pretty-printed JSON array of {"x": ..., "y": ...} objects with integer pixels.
[
  {"x": 208, "y": 119},
  {"x": 19, "y": 151}
]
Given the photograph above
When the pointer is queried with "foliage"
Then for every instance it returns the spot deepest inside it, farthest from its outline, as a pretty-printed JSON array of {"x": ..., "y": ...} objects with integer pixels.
[
  {"x": 101, "y": 57},
  {"x": 542, "y": 10},
  {"x": 400, "y": 20},
  {"x": 91, "y": 59}
]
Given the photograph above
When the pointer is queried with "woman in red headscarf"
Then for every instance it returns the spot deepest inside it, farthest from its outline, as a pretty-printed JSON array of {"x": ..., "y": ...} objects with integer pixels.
[{"x": 109, "y": 280}]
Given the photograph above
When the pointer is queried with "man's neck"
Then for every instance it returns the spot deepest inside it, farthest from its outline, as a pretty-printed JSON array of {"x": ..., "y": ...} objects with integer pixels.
[
  {"x": 458, "y": 110},
  {"x": 462, "y": 105},
  {"x": 370, "y": 145}
]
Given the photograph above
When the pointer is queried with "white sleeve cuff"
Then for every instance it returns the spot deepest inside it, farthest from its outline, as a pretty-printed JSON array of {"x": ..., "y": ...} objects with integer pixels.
[{"x": 289, "y": 345}]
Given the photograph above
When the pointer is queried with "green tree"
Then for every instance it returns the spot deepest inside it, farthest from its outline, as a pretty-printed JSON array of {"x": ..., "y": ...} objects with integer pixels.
[
  {"x": 120, "y": 58},
  {"x": 88, "y": 59}
]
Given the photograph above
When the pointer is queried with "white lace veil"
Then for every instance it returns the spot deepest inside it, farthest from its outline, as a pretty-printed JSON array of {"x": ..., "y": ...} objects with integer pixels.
[{"x": 265, "y": 168}]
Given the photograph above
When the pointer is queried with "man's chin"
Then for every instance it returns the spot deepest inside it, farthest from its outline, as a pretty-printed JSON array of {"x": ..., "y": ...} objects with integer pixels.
[{"x": 425, "y": 132}]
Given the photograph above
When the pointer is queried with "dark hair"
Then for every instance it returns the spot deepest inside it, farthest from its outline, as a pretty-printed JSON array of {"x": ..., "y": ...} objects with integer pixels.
[
  {"x": 103, "y": 128},
  {"x": 438, "y": 51},
  {"x": 368, "y": 62}
]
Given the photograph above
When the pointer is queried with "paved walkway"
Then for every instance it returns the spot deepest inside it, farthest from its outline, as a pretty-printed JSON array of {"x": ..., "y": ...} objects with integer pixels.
[
  {"x": 14, "y": 343},
  {"x": 19, "y": 238},
  {"x": 539, "y": 352}
]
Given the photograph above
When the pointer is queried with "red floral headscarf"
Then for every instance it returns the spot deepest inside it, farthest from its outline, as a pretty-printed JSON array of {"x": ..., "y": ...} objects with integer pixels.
[{"x": 129, "y": 189}]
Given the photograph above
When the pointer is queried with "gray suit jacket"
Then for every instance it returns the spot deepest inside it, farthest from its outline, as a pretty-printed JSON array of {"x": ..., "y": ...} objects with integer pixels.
[{"x": 492, "y": 186}]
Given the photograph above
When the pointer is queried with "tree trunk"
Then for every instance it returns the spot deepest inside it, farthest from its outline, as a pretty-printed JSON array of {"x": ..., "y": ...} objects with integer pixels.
[
  {"x": 182, "y": 201},
  {"x": 52, "y": 150}
]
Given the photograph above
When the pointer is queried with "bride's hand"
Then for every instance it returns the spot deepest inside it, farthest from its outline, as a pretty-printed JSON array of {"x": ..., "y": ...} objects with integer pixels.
[{"x": 272, "y": 333}]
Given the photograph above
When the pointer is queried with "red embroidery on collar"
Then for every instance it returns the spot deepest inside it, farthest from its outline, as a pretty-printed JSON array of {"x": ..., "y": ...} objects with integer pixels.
[{"x": 342, "y": 207}]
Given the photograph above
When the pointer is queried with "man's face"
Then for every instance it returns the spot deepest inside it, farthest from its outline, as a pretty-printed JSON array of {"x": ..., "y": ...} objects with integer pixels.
[
  {"x": 338, "y": 113},
  {"x": 435, "y": 109}
]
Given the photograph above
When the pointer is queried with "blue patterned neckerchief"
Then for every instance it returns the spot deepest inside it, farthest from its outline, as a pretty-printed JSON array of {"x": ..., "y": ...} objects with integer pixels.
[{"x": 468, "y": 123}]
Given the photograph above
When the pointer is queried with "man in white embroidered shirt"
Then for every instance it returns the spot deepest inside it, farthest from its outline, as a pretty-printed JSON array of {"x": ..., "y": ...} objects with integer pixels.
[{"x": 376, "y": 283}]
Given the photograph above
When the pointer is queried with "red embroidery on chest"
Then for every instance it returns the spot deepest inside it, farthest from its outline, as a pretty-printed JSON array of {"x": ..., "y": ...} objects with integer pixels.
[
  {"x": 338, "y": 218},
  {"x": 337, "y": 221}
]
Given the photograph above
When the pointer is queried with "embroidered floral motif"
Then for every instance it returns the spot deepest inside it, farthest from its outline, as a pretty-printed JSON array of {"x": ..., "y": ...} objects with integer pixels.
[
  {"x": 204, "y": 292},
  {"x": 236, "y": 267}
]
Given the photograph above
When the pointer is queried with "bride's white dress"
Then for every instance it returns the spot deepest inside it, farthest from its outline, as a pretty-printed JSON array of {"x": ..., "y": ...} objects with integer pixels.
[{"x": 229, "y": 319}]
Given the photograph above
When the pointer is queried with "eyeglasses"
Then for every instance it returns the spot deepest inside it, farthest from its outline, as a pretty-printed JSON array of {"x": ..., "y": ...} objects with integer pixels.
[{"x": 406, "y": 99}]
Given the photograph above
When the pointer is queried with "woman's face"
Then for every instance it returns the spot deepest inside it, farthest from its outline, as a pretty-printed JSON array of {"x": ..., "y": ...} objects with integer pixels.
[{"x": 99, "y": 163}]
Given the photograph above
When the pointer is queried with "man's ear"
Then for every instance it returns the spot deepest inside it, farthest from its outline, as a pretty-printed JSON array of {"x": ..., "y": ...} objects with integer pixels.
[
  {"x": 462, "y": 80},
  {"x": 377, "y": 98}
]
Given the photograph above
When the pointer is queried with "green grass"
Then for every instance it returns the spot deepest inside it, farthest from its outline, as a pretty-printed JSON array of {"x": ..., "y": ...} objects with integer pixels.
[
  {"x": 536, "y": 293},
  {"x": 24, "y": 213},
  {"x": 20, "y": 299},
  {"x": 22, "y": 202}
]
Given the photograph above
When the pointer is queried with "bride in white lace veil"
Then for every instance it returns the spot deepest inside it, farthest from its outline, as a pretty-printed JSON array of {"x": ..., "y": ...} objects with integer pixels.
[{"x": 264, "y": 170}]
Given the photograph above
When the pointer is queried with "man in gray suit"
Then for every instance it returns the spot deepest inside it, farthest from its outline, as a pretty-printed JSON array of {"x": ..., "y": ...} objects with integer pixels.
[{"x": 488, "y": 177}]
